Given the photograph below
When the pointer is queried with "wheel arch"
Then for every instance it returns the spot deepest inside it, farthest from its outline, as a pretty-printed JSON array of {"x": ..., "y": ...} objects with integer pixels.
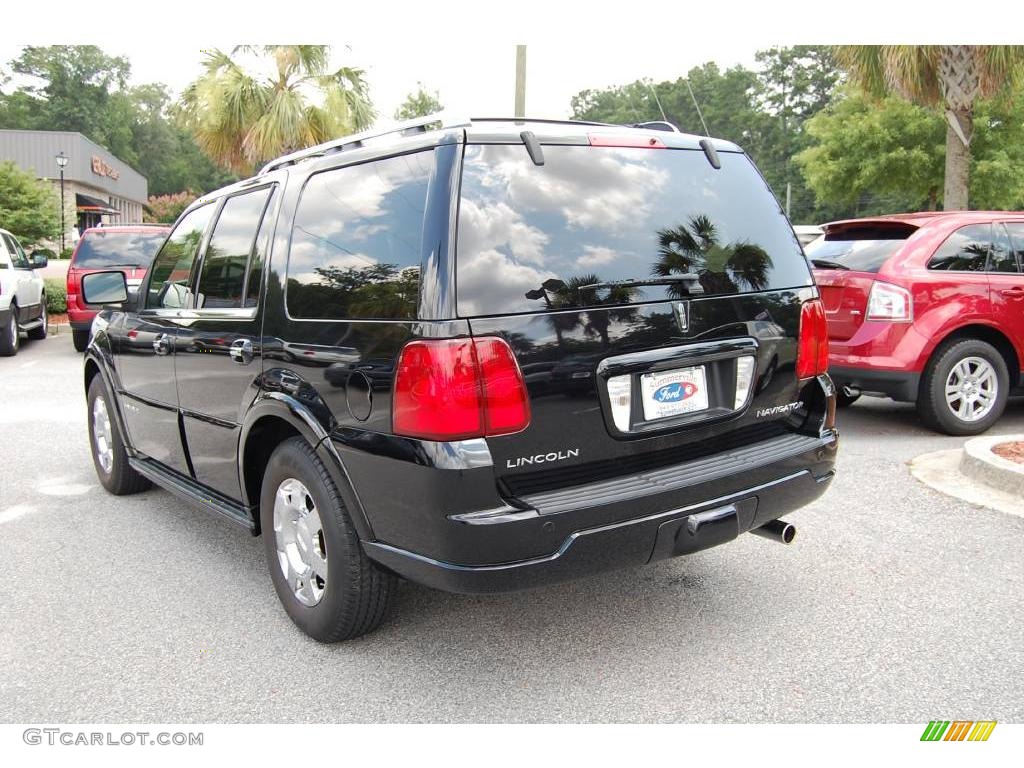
[
  {"x": 989, "y": 334},
  {"x": 273, "y": 418}
]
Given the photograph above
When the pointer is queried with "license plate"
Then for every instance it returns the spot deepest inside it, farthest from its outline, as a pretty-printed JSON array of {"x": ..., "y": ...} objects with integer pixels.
[{"x": 671, "y": 393}]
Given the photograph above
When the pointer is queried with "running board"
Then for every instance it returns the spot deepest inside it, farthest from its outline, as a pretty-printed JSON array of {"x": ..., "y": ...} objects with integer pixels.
[{"x": 189, "y": 490}]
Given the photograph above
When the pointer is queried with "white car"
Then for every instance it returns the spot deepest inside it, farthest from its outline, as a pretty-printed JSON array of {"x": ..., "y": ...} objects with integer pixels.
[{"x": 22, "y": 295}]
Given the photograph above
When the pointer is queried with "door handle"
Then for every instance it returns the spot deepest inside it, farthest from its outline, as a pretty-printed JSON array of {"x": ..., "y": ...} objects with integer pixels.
[
  {"x": 1013, "y": 293},
  {"x": 241, "y": 351},
  {"x": 162, "y": 344}
]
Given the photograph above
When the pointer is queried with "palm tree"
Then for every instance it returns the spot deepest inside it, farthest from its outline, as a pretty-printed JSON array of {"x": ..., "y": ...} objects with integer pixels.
[
  {"x": 241, "y": 119},
  {"x": 954, "y": 77}
]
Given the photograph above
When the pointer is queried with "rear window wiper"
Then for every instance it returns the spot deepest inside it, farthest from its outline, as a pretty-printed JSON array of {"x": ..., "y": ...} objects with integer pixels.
[
  {"x": 690, "y": 279},
  {"x": 827, "y": 264}
]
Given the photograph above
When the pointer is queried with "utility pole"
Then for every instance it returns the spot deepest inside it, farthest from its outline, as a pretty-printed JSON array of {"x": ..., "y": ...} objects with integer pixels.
[{"x": 520, "y": 81}]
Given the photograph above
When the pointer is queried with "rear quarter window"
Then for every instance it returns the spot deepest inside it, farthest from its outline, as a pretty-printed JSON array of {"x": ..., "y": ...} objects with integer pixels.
[
  {"x": 533, "y": 238},
  {"x": 966, "y": 250},
  {"x": 356, "y": 240}
]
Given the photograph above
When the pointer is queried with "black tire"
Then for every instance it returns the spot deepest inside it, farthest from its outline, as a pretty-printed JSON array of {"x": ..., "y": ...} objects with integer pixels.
[
  {"x": 931, "y": 400},
  {"x": 356, "y": 593},
  {"x": 120, "y": 479},
  {"x": 80, "y": 339},
  {"x": 9, "y": 338},
  {"x": 845, "y": 401},
  {"x": 38, "y": 334}
]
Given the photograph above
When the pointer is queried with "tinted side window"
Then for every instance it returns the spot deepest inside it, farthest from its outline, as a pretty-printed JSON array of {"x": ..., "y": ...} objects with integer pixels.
[
  {"x": 168, "y": 284},
  {"x": 1001, "y": 258},
  {"x": 355, "y": 248},
  {"x": 1016, "y": 231},
  {"x": 254, "y": 281},
  {"x": 226, "y": 261},
  {"x": 18, "y": 257},
  {"x": 966, "y": 250}
]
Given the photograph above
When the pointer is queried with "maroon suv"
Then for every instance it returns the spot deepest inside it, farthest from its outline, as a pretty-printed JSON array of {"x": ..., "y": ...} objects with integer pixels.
[
  {"x": 926, "y": 308},
  {"x": 129, "y": 249}
]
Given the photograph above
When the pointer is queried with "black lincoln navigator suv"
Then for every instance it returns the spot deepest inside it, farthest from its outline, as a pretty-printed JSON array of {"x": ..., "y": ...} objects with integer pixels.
[{"x": 483, "y": 356}]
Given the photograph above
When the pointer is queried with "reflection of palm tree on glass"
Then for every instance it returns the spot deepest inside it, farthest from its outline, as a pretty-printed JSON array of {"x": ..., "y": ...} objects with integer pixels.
[
  {"x": 693, "y": 247},
  {"x": 573, "y": 294}
]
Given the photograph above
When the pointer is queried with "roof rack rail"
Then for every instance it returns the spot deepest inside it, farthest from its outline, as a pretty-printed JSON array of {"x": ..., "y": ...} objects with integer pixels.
[{"x": 355, "y": 140}]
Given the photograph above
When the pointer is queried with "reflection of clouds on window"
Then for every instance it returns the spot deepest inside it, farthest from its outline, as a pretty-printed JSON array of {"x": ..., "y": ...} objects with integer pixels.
[
  {"x": 594, "y": 256},
  {"x": 605, "y": 189},
  {"x": 493, "y": 283},
  {"x": 498, "y": 226}
]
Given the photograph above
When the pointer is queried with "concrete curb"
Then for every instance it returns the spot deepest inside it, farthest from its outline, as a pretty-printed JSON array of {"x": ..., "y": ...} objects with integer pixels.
[
  {"x": 940, "y": 471},
  {"x": 979, "y": 463}
]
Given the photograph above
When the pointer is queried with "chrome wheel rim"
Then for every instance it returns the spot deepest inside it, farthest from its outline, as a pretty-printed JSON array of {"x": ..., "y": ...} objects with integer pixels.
[
  {"x": 46, "y": 319},
  {"x": 971, "y": 389},
  {"x": 102, "y": 433},
  {"x": 301, "y": 545},
  {"x": 12, "y": 330}
]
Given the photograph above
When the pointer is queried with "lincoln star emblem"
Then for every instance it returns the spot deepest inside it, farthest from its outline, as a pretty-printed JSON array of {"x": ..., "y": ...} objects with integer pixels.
[{"x": 682, "y": 310}]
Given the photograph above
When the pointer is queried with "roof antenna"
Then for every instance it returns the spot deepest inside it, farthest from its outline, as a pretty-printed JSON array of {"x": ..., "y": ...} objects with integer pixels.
[
  {"x": 658, "y": 101},
  {"x": 697, "y": 107}
]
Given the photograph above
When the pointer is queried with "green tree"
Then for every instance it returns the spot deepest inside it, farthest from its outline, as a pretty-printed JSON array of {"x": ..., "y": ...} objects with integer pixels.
[
  {"x": 869, "y": 156},
  {"x": 73, "y": 88},
  {"x": 419, "y": 104},
  {"x": 29, "y": 208},
  {"x": 241, "y": 119},
  {"x": 952, "y": 77}
]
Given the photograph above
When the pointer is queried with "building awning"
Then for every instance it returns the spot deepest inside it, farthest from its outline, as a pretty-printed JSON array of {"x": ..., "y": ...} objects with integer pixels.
[{"x": 94, "y": 205}]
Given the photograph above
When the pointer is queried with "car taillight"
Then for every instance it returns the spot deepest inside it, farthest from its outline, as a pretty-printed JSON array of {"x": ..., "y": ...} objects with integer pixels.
[
  {"x": 812, "y": 349},
  {"x": 454, "y": 389},
  {"x": 890, "y": 302}
]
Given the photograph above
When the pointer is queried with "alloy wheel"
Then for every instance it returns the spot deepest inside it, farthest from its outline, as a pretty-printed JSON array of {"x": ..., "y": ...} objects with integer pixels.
[
  {"x": 301, "y": 545},
  {"x": 102, "y": 434},
  {"x": 971, "y": 389}
]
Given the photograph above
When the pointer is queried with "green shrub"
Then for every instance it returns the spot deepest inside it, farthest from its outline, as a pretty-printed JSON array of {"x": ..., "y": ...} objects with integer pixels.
[
  {"x": 66, "y": 253},
  {"x": 56, "y": 296}
]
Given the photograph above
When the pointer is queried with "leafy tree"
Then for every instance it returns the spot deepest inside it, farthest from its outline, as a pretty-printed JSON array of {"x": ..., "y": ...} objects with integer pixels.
[
  {"x": 29, "y": 208},
  {"x": 952, "y": 77},
  {"x": 419, "y": 104},
  {"x": 166, "y": 209},
  {"x": 871, "y": 156},
  {"x": 241, "y": 119},
  {"x": 694, "y": 248}
]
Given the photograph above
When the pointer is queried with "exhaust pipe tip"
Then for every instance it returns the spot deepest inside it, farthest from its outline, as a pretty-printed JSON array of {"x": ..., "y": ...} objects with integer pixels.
[
  {"x": 777, "y": 530},
  {"x": 851, "y": 391}
]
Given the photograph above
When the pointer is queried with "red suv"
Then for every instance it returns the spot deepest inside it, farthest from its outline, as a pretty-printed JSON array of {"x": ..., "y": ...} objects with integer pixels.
[
  {"x": 128, "y": 248},
  {"x": 926, "y": 308}
]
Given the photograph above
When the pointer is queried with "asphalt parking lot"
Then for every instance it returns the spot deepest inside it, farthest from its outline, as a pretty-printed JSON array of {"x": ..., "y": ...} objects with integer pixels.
[{"x": 894, "y": 604}]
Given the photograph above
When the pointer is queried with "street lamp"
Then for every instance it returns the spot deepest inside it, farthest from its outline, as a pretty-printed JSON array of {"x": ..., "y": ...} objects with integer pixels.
[{"x": 62, "y": 161}]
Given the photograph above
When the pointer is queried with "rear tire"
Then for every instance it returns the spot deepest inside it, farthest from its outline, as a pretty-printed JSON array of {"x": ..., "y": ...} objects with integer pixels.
[
  {"x": 9, "y": 338},
  {"x": 38, "y": 334},
  {"x": 80, "y": 339},
  {"x": 964, "y": 387},
  {"x": 326, "y": 583},
  {"x": 107, "y": 447}
]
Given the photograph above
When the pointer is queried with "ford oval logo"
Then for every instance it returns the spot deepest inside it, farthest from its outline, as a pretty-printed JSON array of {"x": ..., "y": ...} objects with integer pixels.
[{"x": 675, "y": 392}]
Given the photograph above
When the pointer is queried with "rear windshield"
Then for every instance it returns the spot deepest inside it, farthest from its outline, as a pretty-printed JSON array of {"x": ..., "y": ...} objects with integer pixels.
[
  {"x": 534, "y": 237},
  {"x": 860, "y": 250},
  {"x": 99, "y": 250}
]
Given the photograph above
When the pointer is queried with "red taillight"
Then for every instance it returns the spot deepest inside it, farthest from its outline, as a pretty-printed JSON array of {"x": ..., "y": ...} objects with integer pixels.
[
  {"x": 626, "y": 140},
  {"x": 812, "y": 349},
  {"x": 453, "y": 389}
]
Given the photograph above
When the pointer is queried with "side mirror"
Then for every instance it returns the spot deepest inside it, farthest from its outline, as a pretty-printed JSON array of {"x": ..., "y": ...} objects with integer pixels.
[
  {"x": 105, "y": 288},
  {"x": 39, "y": 259}
]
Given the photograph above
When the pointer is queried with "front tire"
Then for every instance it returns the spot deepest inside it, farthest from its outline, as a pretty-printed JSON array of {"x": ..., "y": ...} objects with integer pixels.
[
  {"x": 9, "y": 335},
  {"x": 326, "y": 583},
  {"x": 80, "y": 339},
  {"x": 108, "y": 452},
  {"x": 964, "y": 387}
]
